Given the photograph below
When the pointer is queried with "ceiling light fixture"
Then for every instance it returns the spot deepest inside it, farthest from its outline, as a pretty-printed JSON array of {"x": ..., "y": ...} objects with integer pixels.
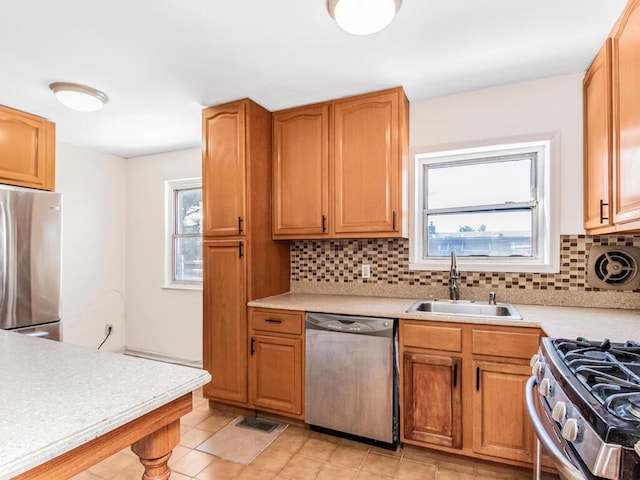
[
  {"x": 79, "y": 97},
  {"x": 363, "y": 17}
]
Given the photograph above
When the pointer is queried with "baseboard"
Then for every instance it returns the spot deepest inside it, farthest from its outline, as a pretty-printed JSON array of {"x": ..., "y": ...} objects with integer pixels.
[{"x": 160, "y": 357}]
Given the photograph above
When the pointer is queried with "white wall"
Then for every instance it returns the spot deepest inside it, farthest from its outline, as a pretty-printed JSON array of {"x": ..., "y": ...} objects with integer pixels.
[
  {"x": 162, "y": 322},
  {"x": 541, "y": 106},
  {"x": 93, "y": 245}
]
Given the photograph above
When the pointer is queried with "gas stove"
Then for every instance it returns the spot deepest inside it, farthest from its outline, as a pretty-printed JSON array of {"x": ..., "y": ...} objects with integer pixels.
[{"x": 591, "y": 394}]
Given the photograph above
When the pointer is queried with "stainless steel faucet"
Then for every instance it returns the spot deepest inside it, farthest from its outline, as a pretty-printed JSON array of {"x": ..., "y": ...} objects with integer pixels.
[{"x": 454, "y": 276}]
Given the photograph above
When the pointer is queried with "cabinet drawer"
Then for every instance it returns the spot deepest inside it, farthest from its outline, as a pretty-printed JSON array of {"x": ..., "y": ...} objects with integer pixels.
[
  {"x": 505, "y": 344},
  {"x": 433, "y": 337},
  {"x": 278, "y": 321}
]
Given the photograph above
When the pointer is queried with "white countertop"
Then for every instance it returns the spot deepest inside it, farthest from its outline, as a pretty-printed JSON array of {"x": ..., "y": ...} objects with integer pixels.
[
  {"x": 570, "y": 322},
  {"x": 56, "y": 396}
]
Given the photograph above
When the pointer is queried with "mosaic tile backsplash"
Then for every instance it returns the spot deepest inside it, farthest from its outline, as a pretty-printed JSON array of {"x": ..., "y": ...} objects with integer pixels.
[{"x": 334, "y": 266}]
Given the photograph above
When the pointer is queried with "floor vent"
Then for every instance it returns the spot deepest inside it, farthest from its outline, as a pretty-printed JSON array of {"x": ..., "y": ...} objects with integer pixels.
[{"x": 258, "y": 424}]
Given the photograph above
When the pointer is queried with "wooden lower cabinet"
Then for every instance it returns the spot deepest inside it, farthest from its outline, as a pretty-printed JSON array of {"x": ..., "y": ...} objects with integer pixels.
[
  {"x": 501, "y": 427},
  {"x": 433, "y": 399},
  {"x": 225, "y": 315},
  {"x": 463, "y": 388},
  {"x": 276, "y": 361},
  {"x": 276, "y": 374}
]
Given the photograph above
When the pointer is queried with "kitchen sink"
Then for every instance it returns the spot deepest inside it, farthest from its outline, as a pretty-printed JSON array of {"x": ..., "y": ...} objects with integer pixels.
[{"x": 465, "y": 309}]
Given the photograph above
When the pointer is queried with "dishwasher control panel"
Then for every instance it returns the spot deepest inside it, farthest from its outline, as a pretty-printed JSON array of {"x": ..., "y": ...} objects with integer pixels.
[{"x": 349, "y": 324}]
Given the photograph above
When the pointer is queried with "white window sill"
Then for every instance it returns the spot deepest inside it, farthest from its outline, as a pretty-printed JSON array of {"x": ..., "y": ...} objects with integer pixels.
[
  {"x": 498, "y": 265},
  {"x": 181, "y": 286}
]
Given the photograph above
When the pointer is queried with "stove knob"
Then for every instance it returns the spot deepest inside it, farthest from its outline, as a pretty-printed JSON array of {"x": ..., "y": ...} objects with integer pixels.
[
  {"x": 559, "y": 412},
  {"x": 533, "y": 360},
  {"x": 545, "y": 387},
  {"x": 570, "y": 430},
  {"x": 538, "y": 369}
]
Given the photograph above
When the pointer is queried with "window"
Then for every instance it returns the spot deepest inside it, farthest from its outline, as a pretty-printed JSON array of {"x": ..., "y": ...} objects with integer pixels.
[
  {"x": 183, "y": 244},
  {"x": 491, "y": 205}
]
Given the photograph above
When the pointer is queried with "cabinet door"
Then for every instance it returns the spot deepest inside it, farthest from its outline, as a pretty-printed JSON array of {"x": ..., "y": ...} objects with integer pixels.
[
  {"x": 224, "y": 170},
  {"x": 27, "y": 150},
  {"x": 597, "y": 141},
  {"x": 301, "y": 172},
  {"x": 367, "y": 164},
  {"x": 626, "y": 110},
  {"x": 432, "y": 399},
  {"x": 501, "y": 426},
  {"x": 224, "y": 320},
  {"x": 276, "y": 373}
]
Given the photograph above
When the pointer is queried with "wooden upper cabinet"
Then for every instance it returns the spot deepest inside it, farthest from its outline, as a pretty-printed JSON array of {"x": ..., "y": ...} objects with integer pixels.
[
  {"x": 367, "y": 164},
  {"x": 626, "y": 119},
  {"x": 301, "y": 172},
  {"x": 340, "y": 168},
  {"x": 597, "y": 142},
  {"x": 224, "y": 169},
  {"x": 27, "y": 150}
]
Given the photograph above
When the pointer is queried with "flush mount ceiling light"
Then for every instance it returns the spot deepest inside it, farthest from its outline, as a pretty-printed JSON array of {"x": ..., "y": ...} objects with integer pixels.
[
  {"x": 363, "y": 17},
  {"x": 79, "y": 97}
]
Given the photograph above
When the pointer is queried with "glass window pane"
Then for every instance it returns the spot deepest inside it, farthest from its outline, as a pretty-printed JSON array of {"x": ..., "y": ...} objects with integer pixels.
[
  {"x": 493, "y": 234},
  {"x": 189, "y": 211},
  {"x": 188, "y": 259},
  {"x": 477, "y": 184}
]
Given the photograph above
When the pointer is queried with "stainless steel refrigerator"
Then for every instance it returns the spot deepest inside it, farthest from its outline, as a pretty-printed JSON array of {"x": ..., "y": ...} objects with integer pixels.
[{"x": 30, "y": 261}]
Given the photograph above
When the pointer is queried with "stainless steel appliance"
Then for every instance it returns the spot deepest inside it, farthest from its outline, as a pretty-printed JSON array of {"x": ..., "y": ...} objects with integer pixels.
[
  {"x": 351, "y": 383},
  {"x": 30, "y": 253},
  {"x": 584, "y": 402}
]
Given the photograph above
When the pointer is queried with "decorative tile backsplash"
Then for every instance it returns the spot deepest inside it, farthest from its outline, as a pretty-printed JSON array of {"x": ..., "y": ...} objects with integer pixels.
[{"x": 338, "y": 262}]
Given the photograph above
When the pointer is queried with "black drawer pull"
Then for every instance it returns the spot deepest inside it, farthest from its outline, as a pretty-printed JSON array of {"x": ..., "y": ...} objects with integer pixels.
[
  {"x": 393, "y": 226},
  {"x": 478, "y": 378},
  {"x": 240, "y": 225},
  {"x": 240, "y": 249},
  {"x": 272, "y": 320},
  {"x": 253, "y": 342},
  {"x": 324, "y": 224}
]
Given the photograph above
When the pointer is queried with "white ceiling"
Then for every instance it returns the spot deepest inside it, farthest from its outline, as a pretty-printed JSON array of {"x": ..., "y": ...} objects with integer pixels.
[{"x": 160, "y": 61}]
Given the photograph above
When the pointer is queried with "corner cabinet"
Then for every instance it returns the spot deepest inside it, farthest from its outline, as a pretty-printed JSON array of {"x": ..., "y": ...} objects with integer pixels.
[
  {"x": 611, "y": 126},
  {"x": 462, "y": 389},
  {"x": 340, "y": 168},
  {"x": 241, "y": 261},
  {"x": 27, "y": 150}
]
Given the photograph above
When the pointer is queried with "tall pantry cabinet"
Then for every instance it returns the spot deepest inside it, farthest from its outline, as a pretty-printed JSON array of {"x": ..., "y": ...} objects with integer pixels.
[{"x": 241, "y": 261}]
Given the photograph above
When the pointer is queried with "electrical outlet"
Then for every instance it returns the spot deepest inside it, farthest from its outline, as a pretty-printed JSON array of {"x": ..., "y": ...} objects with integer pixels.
[
  {"x": 108, "y": 329},
  {"x": 366, "y": 271}
]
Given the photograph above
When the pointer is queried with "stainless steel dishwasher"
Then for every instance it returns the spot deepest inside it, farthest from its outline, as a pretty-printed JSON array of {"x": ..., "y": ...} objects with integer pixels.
[{"x": 351, "y": 382}]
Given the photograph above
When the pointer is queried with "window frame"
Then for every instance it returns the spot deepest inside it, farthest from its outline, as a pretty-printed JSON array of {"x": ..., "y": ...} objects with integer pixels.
[
  {"x": 171, "y": 189},
  {"x": 546, "y": 220}
]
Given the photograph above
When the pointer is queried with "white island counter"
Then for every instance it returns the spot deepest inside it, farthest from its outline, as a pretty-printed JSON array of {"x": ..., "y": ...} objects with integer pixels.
[{"x": 65, "y": 407}]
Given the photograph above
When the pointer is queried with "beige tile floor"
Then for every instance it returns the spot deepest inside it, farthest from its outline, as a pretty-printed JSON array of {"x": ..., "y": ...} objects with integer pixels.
[{"x": 299, "y": 454}]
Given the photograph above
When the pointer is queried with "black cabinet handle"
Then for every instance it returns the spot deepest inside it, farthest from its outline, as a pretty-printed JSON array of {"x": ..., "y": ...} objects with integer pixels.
[
  {"x": 478, "y": 378},
  {"x": 272, "y": 320},
  {"x": 394, "y": 220},
  {"x": 324, "y": 224},
  {"x": 240, "y": 249},
  {"x": 253, "y": 350},
  {"x": 602, "y": 217},
  {"x": 455, "y": 375},
  {"x": 240, "y": 225}
]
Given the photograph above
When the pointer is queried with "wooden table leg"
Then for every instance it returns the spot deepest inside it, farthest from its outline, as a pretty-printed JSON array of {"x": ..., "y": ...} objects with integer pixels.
[{"x": 155, "y": 449}]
